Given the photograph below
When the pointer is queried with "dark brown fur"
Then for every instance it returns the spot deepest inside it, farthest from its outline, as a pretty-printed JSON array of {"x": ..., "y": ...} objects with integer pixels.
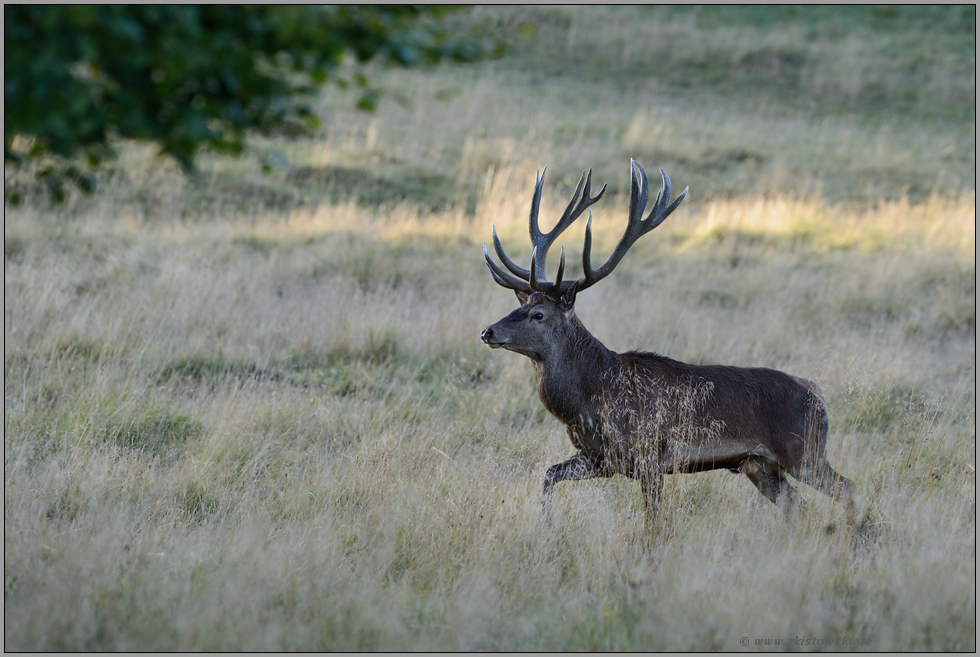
[{"x": 643, "y": 415}]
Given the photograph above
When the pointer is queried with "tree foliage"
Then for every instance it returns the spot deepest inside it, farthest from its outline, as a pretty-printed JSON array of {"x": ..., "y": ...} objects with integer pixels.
[{"x": 190, "y": 77}]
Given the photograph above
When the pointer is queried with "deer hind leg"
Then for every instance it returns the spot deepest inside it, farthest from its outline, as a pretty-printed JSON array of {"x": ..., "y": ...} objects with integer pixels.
[
  {"x": 826, "y": 480},
  {"x": 772, "y": 483},
  {"x": 576, "y": 468},
  {"x": 651, "y": 483}
]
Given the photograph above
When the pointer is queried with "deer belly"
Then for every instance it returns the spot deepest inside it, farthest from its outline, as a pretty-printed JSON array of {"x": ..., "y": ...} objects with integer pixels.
[{"x": 712, "y": 455}]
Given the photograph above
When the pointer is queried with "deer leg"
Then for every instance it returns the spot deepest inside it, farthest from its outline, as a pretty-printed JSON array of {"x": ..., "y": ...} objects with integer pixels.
[
  {"x": 826, "y": 480},
  {"x": 576, "y": 468},
  {"x": 772, "y": 483},
  {"x": 651, "y": 483}
]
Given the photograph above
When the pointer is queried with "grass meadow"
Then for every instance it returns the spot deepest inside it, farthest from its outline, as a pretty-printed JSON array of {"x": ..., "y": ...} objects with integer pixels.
[{"x": 250, "y": 410}]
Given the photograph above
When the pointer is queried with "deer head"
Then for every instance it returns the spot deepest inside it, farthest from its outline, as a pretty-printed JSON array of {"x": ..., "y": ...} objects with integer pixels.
[{"x": 547, "y": 308}]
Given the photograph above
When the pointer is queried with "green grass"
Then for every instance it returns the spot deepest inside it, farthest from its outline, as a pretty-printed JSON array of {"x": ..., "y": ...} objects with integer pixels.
[
  {"x": 828, "y": 60},
  {"x": 251, "y": 410}
]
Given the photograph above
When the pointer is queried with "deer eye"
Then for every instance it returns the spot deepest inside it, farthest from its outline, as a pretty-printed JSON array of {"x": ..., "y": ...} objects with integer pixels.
[{"x": 538, "y": 316}]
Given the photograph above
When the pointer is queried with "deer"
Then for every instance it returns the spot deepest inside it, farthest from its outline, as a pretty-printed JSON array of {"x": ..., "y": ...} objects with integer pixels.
[{"x": 640, "y": 414}]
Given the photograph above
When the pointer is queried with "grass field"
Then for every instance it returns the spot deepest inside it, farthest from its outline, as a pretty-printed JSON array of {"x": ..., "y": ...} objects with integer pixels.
[{"x": 251, "y": 410}]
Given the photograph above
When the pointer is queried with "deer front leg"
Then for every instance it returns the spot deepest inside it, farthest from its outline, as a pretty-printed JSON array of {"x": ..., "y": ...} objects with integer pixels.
[{"x": 576, "y": 468}]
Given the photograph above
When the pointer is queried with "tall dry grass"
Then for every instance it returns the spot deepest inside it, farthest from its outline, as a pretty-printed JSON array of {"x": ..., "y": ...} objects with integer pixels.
[
  {"x": 283, "y": 433},
  {"x": 252, "y": 412}
]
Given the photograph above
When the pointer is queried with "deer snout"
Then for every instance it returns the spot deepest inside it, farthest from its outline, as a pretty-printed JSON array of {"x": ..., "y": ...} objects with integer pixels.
[{"x": 489, "y": 338}]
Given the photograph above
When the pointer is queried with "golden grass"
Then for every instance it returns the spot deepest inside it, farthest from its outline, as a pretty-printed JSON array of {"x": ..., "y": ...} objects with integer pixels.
[
  {"x": 344, "y": 466},
  {"x": 237, "y": 422}
]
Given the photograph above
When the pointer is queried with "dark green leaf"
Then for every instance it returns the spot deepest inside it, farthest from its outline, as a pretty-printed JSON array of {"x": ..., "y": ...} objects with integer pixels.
[{"x": 191, "y": 77}]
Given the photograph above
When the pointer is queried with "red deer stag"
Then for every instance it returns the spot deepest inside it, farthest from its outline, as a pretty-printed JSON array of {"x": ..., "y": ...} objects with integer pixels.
[{"x": 643, "y": 415}]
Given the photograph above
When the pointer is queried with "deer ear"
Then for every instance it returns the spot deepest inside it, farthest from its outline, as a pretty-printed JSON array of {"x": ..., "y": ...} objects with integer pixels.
[
  {"x": 567, "y": 301},
  {"x": 522, "y": 296}
]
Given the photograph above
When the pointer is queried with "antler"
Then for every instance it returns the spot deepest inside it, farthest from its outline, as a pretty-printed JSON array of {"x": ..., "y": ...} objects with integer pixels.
[
  {"x": 529, "y": 280},
  {"x": 526, "y": 280},
  {"x": 635, "y": 228}
]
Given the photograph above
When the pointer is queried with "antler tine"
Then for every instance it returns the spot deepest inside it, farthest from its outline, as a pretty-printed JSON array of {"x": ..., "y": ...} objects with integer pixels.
[
  {"x": 660, "y": 209},
  {"x": 544, "y": 286},
  {"x": 503, "y": 278},
  {"x": 561, "y": 269},
  {"x": 532, "y": 225},
  {"x": 639, "y": 193},
  {"x": 635, "y": 227},
  {"x": 510, "y": 264}
]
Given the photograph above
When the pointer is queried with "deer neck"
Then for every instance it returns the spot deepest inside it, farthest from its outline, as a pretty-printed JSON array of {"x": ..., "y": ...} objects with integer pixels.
[{"x": 569, "y": 375}]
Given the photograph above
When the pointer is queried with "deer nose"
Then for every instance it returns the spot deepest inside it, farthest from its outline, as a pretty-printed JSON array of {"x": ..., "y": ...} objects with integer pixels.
[{"x": 487, "y": 334}]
